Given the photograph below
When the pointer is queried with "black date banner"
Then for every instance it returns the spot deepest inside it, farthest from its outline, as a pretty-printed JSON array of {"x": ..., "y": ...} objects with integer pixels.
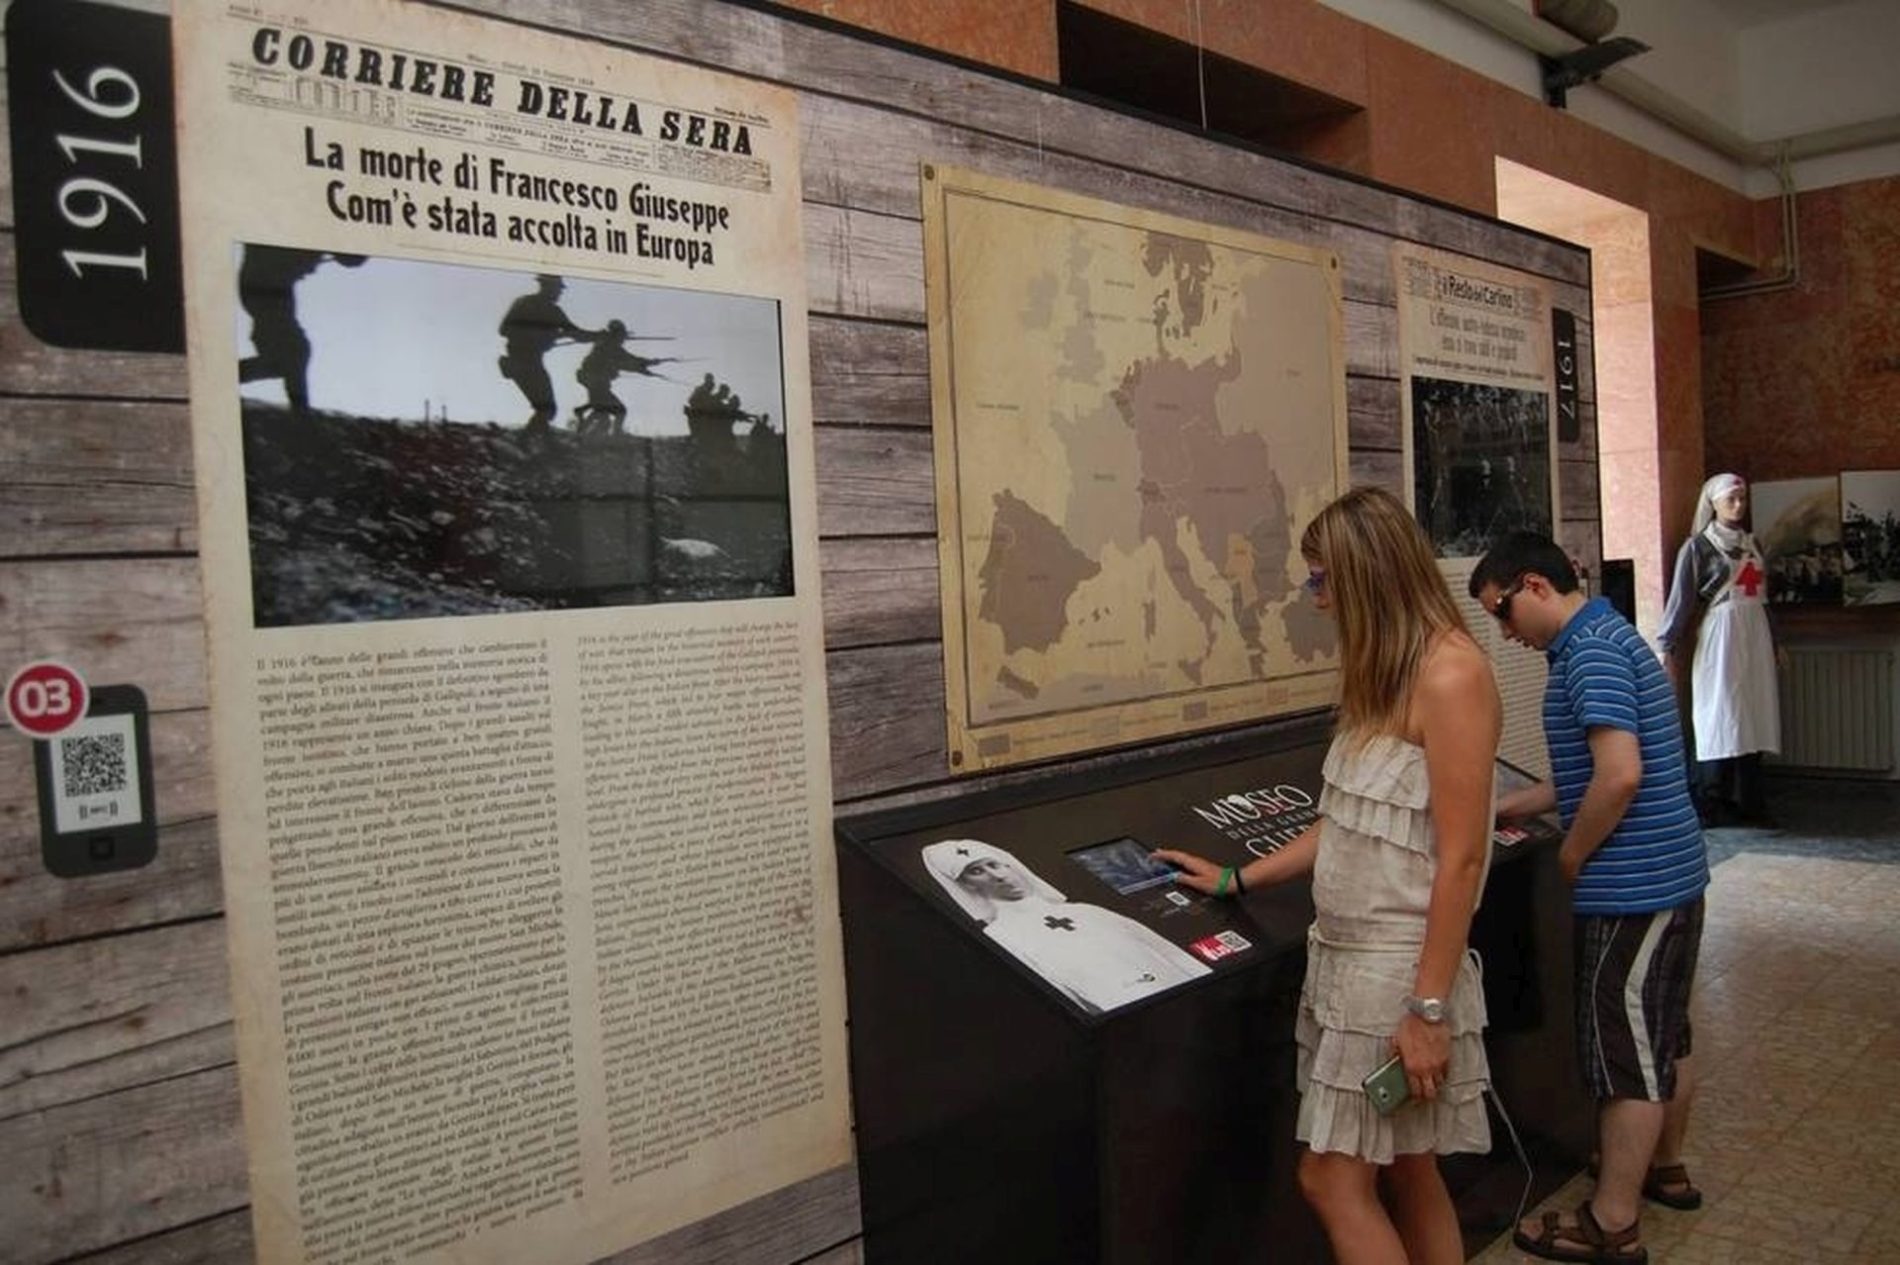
[
  {"x": 1563, "y": 333},
  {"x": 95, "y": 175}
]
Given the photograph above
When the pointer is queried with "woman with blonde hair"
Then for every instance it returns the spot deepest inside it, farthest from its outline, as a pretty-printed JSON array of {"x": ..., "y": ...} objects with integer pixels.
[{"x": 1398, "y": 859}]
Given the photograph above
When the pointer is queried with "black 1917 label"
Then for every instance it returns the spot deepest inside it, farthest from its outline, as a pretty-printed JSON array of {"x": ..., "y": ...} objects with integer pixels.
[
  {"x": 95, "y": 175},
  {"x": 1563, "y": 336}
]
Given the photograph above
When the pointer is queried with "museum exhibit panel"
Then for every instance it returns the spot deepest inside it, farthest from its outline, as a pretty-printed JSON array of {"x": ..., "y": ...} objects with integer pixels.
[
  {"x": 628, "y": 660},
  {"x": 1007, "y": 1112}
]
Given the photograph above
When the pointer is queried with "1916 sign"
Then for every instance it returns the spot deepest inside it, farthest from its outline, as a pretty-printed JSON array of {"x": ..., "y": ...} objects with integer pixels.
[{"x": 95, "y": 175}]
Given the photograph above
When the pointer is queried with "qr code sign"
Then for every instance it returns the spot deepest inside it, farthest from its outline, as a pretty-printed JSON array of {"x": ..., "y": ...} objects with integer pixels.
[
  {"x": 93, "y": 764},
  {"x": 1223, "y": 944},
  {"x": 94, "y": 776}
]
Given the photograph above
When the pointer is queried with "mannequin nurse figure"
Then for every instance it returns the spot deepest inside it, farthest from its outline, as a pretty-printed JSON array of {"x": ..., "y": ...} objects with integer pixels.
[{"x": 1720, "y": 572}]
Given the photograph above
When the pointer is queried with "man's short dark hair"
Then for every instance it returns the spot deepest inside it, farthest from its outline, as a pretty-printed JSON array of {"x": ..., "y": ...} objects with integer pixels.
[{"x": 1522, "y": 552}]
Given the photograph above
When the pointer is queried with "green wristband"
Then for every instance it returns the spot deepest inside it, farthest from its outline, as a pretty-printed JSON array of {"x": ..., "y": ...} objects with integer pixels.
[{"x": 1226, "y": 877}]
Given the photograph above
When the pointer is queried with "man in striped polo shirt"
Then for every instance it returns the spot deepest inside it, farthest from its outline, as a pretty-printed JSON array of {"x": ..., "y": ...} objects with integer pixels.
[{"x": 1634, "y": 853}]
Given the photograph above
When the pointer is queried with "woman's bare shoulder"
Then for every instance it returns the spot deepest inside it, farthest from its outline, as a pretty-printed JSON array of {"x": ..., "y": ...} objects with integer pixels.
[
  {"x": 1453, "y": 660},
  {"x": 1455, "y": 674}
]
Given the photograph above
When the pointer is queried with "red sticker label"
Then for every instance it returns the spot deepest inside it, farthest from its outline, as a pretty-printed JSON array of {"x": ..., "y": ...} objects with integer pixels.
[
  {"x": 45, "y": 699},
  {"x": 1221, "y": 945}
]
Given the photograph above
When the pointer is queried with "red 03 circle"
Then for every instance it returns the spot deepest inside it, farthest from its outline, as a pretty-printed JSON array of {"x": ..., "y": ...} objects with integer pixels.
[{"x": 45, "y": 699}]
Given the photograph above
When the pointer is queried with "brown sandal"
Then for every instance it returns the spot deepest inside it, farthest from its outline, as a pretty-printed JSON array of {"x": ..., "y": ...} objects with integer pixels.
[
  {"x": 1669, "y": 1185},
  {"x": 1584, "y": 1240}
]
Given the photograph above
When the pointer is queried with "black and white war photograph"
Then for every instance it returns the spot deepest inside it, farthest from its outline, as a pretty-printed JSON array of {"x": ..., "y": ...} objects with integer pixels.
[
  {"x": 1797, "y": 523},
  {"x": 1480, "y": 463},
  {"x": 1870, "y": 536},
  {"x": 1097, "y": 958},
  {"x": 425, "y": 439}
]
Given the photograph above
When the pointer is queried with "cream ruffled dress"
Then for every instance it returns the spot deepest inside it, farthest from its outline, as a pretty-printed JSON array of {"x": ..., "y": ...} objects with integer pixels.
[{"x": 1372, "y": 884}]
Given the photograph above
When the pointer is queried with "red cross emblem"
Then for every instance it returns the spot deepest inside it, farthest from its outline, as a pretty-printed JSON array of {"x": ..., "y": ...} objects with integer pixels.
[{"x": 1750, "y": 578}]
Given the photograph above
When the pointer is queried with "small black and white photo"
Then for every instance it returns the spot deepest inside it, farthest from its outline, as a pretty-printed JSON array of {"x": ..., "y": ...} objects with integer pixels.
[
  {"x": 1870, "y": 536},
  {"x": 425, "y": 439},
  {"x": 1097, "y": 958},
  {"x": 1797, "y": 523},
  {"x": 1481, "y": 463}
]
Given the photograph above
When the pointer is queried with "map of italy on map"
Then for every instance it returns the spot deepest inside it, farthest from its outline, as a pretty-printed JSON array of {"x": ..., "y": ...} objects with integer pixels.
[{"x": 1144, "y": 412}]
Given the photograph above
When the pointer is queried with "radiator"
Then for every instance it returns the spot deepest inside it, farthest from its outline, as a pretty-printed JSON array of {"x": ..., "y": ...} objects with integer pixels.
[{"x": 1837, "y": 709}]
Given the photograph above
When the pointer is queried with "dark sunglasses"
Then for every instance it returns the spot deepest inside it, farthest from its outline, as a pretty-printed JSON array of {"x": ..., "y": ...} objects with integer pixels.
[{"x": 1502, "y": 611}]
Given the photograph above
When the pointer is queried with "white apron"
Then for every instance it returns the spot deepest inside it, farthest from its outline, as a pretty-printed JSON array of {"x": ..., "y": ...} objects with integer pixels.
[
  {"x": 1098, "y": 957},
  {"x": 1736, "y": 709}
]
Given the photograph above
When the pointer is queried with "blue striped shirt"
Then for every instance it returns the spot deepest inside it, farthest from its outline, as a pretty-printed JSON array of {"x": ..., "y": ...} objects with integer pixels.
[{"x": 1602, "y": 674}]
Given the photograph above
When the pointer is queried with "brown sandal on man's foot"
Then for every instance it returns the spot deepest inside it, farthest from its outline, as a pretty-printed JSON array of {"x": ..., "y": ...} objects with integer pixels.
[
  {"x": 1669, "y": 1185},
  {"x": 1584, "y": 1240},
  {"x": 1666, "y": 1184}
]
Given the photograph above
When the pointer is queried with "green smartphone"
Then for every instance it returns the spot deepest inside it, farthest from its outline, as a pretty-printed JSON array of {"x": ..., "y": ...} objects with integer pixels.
[{"x": 1387, "y": 1086}]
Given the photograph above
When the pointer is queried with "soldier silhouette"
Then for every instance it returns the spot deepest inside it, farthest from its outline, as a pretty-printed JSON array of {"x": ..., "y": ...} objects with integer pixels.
[
  {"x": 533, "y": 324},
  {"x": 606, "y": 360},
  {"x": 709, "y": 396},
  {"x": 267, "y": 280},
  {"x": 711, "y": 410}
]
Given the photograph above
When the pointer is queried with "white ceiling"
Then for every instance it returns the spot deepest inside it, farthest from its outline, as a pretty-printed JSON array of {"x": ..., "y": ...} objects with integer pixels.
[{"x": 1759, "y": 72}]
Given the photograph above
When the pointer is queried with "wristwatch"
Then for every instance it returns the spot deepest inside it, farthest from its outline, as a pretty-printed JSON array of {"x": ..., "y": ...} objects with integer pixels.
[{"x": 1430, "y": 1009}]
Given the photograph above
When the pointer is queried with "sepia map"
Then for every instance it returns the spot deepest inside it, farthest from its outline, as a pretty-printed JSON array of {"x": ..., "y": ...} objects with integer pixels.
[{"x": 1134, "y": 416}]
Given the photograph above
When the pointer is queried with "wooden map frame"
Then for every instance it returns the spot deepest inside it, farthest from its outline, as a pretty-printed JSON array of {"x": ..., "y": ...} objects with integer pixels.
[{"x": 973, "y": 745}]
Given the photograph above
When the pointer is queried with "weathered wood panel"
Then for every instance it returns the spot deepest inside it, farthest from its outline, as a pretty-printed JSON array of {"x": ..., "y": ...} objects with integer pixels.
[
  {"x": 224, "y": 1239},
  {"x": 858, "y": 263},
  {"x": 1380, "y": 470},
  {"x": 753, "y": 1234},
  {"x": 868, "y": 373},
  {"x": 879, "y": 590},
  {"x": 126, "y": 1130},
  {"x": 107, "y": 1014},
  {"x": 1582, "y": 540},
  {"x": 887, "y": 720},
  {"x": 875, "y": 482},
  {"x": 1372, "y": 341},
  {"x": 798, "y": 1223},
  {"x": 841, "y": 170},
  {"x": 1372, "y": 413},
  {"x": 829, "y": 63},
  {"x": 96, "y": 476},
  {"x": 103, "y": 1170},
  {"x": 181, "y": 765},
  {"x": 31, "y": 367},
  {"x": 137, "y": 621},
  {"x": 183, "y": 881},
  {"x": 1577, "y": 490},
  {"x": 865, "y": 265}
]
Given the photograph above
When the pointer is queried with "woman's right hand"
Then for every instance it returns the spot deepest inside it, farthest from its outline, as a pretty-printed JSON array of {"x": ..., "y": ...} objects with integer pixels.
[{"x": 1196, "y": 872}]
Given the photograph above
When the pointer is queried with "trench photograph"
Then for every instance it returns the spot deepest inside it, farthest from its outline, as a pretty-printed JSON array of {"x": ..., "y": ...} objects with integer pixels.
[
  {"x": 1870, "y": 536},
  {"x": 426, "y": 439},
  {"x": 1481, "y": 463}
]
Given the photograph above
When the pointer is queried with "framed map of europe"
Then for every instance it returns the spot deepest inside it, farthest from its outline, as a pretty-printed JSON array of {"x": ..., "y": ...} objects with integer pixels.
[{"x": 1134, "y": 415}]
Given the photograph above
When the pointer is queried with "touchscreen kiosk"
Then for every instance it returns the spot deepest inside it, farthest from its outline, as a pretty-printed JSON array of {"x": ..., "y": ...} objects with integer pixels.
[
  {"x": 1127, "y": 865},
  {"x": 1046, "y": 1027}
]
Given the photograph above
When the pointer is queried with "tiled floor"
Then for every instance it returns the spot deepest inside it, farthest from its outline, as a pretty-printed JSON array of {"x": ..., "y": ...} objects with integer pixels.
[{"x": 1795, "y": 1137}]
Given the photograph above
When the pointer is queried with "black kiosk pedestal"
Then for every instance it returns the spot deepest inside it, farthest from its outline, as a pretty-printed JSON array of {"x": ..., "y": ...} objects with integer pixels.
[{"x": 1066, "y": 1058}]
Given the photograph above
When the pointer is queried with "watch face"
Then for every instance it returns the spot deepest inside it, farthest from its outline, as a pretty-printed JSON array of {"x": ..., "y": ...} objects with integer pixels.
[{"x": 1430, "y": 1009}]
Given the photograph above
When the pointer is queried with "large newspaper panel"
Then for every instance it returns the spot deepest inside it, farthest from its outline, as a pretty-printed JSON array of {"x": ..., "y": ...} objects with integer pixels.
[
  {"x": 1477, "y": 392},
  {"x": 502, "y": 422},
  {"x": 1135, "y": 415}
]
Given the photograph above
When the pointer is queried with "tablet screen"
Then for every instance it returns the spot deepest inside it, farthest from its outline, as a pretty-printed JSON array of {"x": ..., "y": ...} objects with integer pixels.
[{"x": 1127, "y": 865}]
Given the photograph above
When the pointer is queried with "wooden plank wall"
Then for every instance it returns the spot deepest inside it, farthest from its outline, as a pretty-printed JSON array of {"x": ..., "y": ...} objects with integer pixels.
[{"x": 118, "y": 1102}]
